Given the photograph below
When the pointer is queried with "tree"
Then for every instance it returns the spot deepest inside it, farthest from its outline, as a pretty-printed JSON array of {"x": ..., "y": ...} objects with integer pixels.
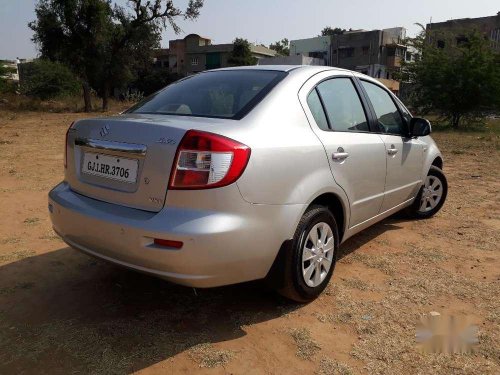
[
  {"x": 460, "y": 81},
  {"x": 328, "y": 31},
  {"x": 241, "y": 54},
  {"x": 102, "y": 44},
  {"x": 129, "y": 49},
  {"x": 45, "y": 79},
  {"x": 74, "y": 33},
  {"x": 151, "y": 79},
  {"x": 282, "y": 47}
]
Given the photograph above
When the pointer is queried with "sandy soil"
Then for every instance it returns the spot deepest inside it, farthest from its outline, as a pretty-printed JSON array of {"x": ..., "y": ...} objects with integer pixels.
[{"x": 63, "y": 312}]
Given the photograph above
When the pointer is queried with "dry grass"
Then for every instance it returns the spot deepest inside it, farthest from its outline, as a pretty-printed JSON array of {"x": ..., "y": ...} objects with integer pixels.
[
  {"x": 60, "y": 309},
  {"x": 329, "y": 366},
  {"x": 50, "y": 235},
  {"x": 31, "y": 220},
  {"x": 356, "y": 283},
  {"x": 385, "y": 263},
  {"x": 10, "y": 240},
  {"x": 306, "y": 346},
  {"x": 205, "y": 355},
  {"x": 18, "y": 286},
  {"x": 16, "y": 255}
]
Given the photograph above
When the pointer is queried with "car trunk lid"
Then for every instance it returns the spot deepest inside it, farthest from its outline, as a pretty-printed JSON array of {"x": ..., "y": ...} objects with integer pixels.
[{"x": 125, "y": 160}]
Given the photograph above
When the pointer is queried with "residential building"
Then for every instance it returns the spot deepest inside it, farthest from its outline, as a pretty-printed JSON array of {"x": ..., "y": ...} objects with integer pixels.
[
  {"x": 318, "y": 47},
  {"x": 377, "y": 53},
  {"x": 291, "y": 60},
  {"x": 195, "y": 53},
  {"x": 161, "y": 57},
  {"x": 455, "y": 31}
]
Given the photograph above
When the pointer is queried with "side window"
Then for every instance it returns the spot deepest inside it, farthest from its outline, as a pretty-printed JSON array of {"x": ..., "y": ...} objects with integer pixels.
[
  {"x": 317, "y": 110},
  {"x": 389, "y": 119},
  {"x": 342, "y": 105}
]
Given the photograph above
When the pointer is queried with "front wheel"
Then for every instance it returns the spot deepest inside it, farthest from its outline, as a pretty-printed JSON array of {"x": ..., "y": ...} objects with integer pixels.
[
  {"x": 310, "y": 262},
  {"x": 431, "y": 196}
]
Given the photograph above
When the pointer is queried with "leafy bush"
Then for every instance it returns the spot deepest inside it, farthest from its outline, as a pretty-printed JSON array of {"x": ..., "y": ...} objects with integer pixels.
[
  {"x": 7, "y": 87},
  {"x": 44, "y": 79},
  {"x": 133, "y": 96},
  {"x": 241, "y": 54},
  {"x": 148, "y": 82}
]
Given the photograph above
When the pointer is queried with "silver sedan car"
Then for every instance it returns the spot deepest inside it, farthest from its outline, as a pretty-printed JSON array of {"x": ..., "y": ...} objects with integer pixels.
[{"x": 245, "y": 173}]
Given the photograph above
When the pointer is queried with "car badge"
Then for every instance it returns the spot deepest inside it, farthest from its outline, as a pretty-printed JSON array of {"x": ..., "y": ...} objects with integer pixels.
[{"x": 104, "y": 130}]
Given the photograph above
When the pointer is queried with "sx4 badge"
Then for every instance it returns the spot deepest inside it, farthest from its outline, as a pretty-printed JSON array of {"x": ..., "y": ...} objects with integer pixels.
[{"x": 166, "y": 141}]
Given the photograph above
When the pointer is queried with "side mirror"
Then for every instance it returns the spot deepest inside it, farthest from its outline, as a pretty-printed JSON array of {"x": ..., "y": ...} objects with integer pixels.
[{"x": 420, "y": 127}]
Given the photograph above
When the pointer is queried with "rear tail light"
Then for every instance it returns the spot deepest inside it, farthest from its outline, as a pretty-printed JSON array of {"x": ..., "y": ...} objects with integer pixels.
[
  {"x": 66, "y": 146},
  {"x": 206, "y": 160}
]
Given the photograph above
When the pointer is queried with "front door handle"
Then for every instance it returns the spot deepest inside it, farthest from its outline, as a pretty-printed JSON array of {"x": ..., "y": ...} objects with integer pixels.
[
  {"x": 338, "y": 156},
  {"x": 392, "y": 151}
]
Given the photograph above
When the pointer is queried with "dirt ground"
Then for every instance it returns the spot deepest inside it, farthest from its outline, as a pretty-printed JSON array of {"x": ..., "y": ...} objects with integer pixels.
[{"x": 62, "y": 312}]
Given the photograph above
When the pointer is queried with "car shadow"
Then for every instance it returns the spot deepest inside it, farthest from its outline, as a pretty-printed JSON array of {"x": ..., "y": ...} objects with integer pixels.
[
  {"x": 369, "y": 234},
  {"x": 71, "y": 313},
  {"x": 64, "y": 312}
]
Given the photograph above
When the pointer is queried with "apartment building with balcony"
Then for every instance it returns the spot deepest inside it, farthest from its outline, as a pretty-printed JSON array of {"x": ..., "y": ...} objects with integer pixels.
[{"x": 377, "y": 53}]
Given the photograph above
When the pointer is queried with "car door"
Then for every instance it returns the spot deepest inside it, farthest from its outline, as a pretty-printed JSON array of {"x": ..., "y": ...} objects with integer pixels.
[
  {"x": 356, "y": 156},
  {"x": 404, "y": 154}
]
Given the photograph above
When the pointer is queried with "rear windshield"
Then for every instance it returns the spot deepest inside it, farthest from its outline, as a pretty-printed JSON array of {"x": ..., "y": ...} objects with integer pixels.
[{"x": 224, "y": 94}]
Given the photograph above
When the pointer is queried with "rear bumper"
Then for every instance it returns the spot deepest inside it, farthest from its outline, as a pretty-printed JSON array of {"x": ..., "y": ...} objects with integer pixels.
[{"x": 220, "y": 247}]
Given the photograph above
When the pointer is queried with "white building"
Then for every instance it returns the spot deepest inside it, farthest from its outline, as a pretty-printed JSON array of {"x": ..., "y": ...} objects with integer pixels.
[
  {"x": 291, "y": 60},
  {"x": 317, "y": 47}
]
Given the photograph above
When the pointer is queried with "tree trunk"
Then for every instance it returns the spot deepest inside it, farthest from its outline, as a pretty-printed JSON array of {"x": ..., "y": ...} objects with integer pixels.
[
  {"x": 86, "y": 96},
  {"x": 105, "y": 96},
  {"x": 455, "y": 121}
]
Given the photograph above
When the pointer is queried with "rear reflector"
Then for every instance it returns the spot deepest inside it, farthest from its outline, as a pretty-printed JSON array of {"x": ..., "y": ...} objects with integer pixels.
[
  {"x": 206, "y": 160},
  {"x": 168, "y": 243}
]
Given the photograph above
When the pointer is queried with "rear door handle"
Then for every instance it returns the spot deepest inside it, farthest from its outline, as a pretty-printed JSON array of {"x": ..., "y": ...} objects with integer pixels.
[
  {"x": 340, "y": 156},
  {"x": 392, "y": 151}
]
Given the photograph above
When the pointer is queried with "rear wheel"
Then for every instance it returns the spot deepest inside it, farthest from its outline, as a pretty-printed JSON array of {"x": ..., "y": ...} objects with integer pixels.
[
  {"x": 310, "y": 262},
  {"x": 431, "y": 196}
]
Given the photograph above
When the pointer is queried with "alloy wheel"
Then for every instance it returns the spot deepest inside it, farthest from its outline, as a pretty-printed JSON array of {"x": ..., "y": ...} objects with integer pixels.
[
  {"x": 431, "y": 194},
  {"x": 317, "y": 254}
]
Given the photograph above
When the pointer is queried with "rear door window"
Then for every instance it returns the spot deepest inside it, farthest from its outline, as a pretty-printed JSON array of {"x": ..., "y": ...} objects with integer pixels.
[
  {"x": 342, "y": 105},
  {"x": 224, "y": 94}
]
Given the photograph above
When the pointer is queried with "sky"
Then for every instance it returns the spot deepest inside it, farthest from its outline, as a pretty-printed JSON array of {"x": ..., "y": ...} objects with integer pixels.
[{"x": 266, "y": 21}]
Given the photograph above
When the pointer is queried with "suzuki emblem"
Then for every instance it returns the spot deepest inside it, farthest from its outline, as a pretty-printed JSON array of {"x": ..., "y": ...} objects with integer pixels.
[{"x": 104, "y": 130}]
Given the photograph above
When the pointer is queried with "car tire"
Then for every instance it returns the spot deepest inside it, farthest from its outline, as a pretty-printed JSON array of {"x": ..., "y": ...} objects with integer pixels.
[
  {"x": 426, "y": 203},
  {"x": 300, "y": 284}
]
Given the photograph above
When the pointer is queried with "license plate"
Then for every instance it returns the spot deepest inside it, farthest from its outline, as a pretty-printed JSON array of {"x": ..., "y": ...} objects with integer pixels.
[{"x": 115, "y": 168}]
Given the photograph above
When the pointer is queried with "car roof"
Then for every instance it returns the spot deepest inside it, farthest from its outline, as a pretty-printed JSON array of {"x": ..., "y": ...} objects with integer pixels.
[{"x": 281, "y": 68}]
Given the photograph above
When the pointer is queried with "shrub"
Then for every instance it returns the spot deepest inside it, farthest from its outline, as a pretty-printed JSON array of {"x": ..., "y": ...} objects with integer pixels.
[
  {"x": 44, "y": 79},
  {"x": 148, "y": 82}
]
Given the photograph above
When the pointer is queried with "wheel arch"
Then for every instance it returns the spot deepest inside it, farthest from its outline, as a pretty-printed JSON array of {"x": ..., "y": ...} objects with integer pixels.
[
  {"x": 438, "y": 162},
  {"x": 336, "y": 206},
  {"x": 340, "y": 210},
  {"x": 432, "y": 157}
]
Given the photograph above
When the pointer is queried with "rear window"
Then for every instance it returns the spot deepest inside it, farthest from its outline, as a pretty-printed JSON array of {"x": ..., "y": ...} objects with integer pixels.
[{"x": 223, "y": 94}]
